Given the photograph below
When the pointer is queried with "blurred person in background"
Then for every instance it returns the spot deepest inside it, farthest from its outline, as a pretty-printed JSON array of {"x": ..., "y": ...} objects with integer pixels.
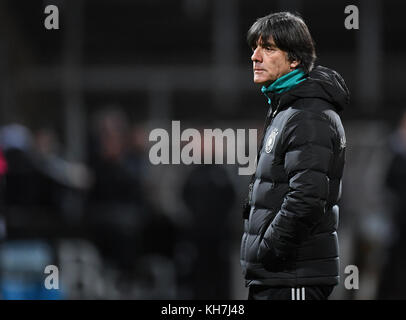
[
  {"x": 122, "y": 223},
  {"x": 393, "y": 277},
  {"x": 74, "y": 178},
  {"x": 37, "y": 171},
  {"x": 209, "y": 195},
  {"x": 289, "y": 248},
  {"x": 36, "y": 184},
  {"x": 114, "y": 199},
  {"x": 29, "y": 189}
]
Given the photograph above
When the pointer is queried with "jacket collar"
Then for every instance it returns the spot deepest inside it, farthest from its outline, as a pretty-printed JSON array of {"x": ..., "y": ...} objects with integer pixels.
[{"x": 284, "y": 83}]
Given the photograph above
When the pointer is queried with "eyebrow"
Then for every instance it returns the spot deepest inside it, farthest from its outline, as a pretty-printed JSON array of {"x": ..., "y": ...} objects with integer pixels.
[
  {"x": 267, "y": 44},
  {"x": 264, "y": 44}
]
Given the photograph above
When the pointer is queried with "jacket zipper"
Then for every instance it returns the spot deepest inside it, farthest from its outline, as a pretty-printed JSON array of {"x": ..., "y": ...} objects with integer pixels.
[{"x": 251, "y": 185}]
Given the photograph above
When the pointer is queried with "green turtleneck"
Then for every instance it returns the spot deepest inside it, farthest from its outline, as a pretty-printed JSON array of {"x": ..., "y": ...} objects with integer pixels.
[{"x": 284, "y": 83}]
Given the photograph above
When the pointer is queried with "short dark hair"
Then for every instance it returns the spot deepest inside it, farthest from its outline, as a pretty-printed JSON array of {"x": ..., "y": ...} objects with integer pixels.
[{"x": 290, "y": 34}]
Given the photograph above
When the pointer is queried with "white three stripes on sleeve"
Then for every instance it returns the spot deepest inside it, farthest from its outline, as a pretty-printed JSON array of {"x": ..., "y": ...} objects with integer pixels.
[{"x": 298, "y": 296}]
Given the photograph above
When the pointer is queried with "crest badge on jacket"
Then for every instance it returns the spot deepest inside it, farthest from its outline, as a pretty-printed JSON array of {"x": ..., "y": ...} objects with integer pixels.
[{"x": 271, "y": 140}]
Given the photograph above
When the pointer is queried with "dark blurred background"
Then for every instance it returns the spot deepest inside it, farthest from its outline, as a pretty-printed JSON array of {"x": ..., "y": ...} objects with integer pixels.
[{"x": 76, "y": 108}]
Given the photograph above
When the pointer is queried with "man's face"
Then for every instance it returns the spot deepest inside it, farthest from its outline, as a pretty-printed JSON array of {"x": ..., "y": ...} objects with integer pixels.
[{"x": 270, "y": 62}]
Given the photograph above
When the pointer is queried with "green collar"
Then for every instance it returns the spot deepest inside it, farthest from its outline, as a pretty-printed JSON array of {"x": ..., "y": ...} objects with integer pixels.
[{"x": 284, "y": 83}]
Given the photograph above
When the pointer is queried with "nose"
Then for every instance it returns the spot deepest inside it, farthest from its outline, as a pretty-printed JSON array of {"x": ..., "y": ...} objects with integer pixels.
[{"x": 256, "y": 55}]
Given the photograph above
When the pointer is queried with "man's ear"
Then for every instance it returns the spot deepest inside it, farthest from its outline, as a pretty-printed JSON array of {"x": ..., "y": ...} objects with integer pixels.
[{"x": 294, "y": 64}]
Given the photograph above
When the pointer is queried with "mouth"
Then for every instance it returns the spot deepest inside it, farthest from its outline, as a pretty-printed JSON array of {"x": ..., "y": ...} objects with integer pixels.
[{"x": 258, "y": 70}]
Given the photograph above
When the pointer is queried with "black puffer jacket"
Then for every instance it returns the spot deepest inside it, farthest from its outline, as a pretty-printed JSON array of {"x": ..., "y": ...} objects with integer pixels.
[{"x": 290, "y": 236}]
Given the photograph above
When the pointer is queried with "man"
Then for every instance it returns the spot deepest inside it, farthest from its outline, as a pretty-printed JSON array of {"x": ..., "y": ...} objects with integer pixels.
[{"x": 289, "y": 247}]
